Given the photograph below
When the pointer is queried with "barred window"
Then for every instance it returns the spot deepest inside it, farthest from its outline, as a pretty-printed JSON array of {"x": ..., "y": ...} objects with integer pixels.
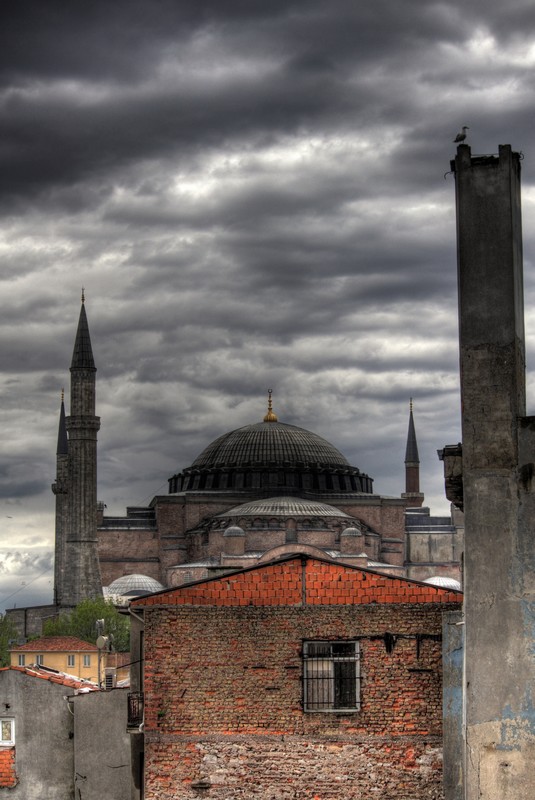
[{"x": 331, "y": 676}]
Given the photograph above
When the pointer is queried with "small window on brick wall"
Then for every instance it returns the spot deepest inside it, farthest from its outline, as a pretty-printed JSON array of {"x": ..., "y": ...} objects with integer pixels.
[
  {"x": 7, "y": 732},
  {"x": 331, "y": 676}
]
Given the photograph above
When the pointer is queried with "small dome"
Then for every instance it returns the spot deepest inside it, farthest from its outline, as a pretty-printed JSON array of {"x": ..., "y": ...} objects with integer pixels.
[
  {"x": 134, "y": 585},
  {"x": 234, "y": 530},
  {"x": 351, "y": 532},
  {"x": 443, "y": 583}
]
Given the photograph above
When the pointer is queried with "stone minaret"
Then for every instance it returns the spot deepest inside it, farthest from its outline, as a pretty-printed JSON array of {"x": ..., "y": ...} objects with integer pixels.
[
  {"x": 77, "y": 571},
  {"x": 60, "y": 489},
  {"x": 412, "y": 467}
]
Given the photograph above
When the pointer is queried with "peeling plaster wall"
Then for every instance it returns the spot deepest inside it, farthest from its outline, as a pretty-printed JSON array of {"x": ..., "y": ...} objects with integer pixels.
[{"x": 498, "y": 467}]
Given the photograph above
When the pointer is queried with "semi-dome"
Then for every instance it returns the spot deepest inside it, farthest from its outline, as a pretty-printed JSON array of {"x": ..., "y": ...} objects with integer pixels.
[
  {"x": 443, "y": 582},
  {"x": 271, "y": 456},
  {"x": 134, "y": 585},
  {"x": 285, "y": 507}
]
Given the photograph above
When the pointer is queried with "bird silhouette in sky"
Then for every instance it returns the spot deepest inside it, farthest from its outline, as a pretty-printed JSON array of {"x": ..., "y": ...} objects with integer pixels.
[{"x": 461, "y": 136}]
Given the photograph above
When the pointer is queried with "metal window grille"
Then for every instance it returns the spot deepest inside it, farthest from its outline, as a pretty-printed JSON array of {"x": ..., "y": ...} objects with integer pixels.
[
  {"x": 136, "y": 704},
  {"x": 110, "y": 678},
  {"x": 331, "y": 676}
]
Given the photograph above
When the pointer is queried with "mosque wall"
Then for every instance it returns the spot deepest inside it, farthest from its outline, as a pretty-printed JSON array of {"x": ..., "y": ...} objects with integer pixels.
[{"x": 122, "y": 552}]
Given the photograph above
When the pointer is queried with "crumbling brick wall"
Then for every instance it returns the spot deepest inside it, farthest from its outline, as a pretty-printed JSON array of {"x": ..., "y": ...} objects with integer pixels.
[
  {"x": 223, "y": 687},
  {"x": 8, "y": 776}
]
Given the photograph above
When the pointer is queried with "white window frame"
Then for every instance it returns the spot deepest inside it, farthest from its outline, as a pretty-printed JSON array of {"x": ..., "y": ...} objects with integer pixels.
[
  {"x": 39, "y": 659},
  {"x": 87, "y": 660},
  {"x": 71, "y": 660},
  {"x": 331, "y": 676},
  {"x": 22, "y": 659},
  {"x": 5, "y": 721}
]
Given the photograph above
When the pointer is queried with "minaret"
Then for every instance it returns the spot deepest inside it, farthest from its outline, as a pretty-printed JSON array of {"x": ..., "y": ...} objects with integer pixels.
[
  {"x": 59, "y": 487},
  {"x": 81, "y": 572},
  {"x": 412, "y": 467}
]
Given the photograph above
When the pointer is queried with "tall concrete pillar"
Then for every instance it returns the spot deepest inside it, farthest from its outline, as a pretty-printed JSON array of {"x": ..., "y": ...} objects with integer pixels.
[
  {"x": 82, "y": 572},
  {"x": 498, "y": 456}
]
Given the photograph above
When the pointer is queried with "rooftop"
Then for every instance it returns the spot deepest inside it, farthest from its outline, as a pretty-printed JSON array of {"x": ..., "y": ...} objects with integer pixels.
[
  {"x": 55, "y": 644},
  {"x": 54, "y": 676}
]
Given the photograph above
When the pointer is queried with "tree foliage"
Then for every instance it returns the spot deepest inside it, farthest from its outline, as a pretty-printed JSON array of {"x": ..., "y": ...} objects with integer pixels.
[
  {"x": 8, "y": 633},
  {"x": 82, "y": 623}
]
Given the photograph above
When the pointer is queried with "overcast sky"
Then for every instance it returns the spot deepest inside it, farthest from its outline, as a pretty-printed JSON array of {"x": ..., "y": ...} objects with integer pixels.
[{"x": 254, "y": 195}]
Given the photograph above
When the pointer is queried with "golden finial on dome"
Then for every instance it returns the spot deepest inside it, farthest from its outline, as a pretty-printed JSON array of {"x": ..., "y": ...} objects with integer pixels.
[{"x": 270, "y": 416}]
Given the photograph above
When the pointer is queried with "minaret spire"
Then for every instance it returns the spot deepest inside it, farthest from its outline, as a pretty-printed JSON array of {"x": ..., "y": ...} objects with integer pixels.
[
  {"x": 82, "y": 356},
  {"x": 63, "y": 442},
  {"x": 412, "y": 465},
  {"x": 60, "y": 490}
]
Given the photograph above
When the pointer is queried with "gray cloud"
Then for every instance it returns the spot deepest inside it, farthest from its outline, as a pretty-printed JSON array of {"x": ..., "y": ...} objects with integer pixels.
[{"x": 253, "y": 195}]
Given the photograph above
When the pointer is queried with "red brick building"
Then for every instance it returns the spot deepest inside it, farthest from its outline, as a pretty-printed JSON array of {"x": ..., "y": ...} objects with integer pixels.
[{"x": 299, "y": 678}]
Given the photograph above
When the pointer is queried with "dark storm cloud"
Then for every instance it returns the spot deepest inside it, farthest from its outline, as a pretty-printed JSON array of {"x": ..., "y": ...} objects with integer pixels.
[
  {"x": 254, "y": 195},
  {"x": 86, "y": 92}
]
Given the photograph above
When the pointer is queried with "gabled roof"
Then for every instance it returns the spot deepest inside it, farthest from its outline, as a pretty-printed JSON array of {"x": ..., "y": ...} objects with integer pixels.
[
  {"x": 56, "y": 644},
  {"x": 301, "y": 580},
  {"x": 53, "y": 676}
]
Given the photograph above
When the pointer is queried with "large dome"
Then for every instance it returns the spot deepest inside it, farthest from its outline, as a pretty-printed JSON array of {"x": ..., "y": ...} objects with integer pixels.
[
  {"x": 269, "y": 458},
  {"x": 269, "y": 443}
]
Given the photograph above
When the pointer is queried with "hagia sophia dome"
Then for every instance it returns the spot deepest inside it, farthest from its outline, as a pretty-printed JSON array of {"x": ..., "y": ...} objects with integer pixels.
[{"x": 271, "y": 456}]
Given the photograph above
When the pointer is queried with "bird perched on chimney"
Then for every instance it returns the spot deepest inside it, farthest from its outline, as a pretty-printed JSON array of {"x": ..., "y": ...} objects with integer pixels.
[{"x": 461, "y": 136}]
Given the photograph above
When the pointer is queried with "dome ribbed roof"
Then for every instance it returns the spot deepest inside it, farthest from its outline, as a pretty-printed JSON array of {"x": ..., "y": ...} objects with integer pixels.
[
  {"x": 271, "y": 458},
  {"x": 285, "y": 507},
  {"x": 269, "y": 442},
  {"x": 443, "y": 582},
  {"x": 134, "y": 584}
]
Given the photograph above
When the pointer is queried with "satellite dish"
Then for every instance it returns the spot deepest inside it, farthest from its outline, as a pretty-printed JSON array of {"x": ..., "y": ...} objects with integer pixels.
[{"x": 102, "y": 642}]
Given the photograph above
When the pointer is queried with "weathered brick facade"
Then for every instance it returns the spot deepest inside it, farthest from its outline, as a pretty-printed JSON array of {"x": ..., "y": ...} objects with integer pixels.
[
  {"x": 8, "y": 775},
  {"x": 223, "y": 684}
]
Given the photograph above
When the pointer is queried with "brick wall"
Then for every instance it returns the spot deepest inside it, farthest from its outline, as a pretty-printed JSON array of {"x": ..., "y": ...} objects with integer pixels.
[
  {"x": 293, "y": 581},
  {"x": 8, "y": 776},
  {"x": 223, "y": 687}
]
